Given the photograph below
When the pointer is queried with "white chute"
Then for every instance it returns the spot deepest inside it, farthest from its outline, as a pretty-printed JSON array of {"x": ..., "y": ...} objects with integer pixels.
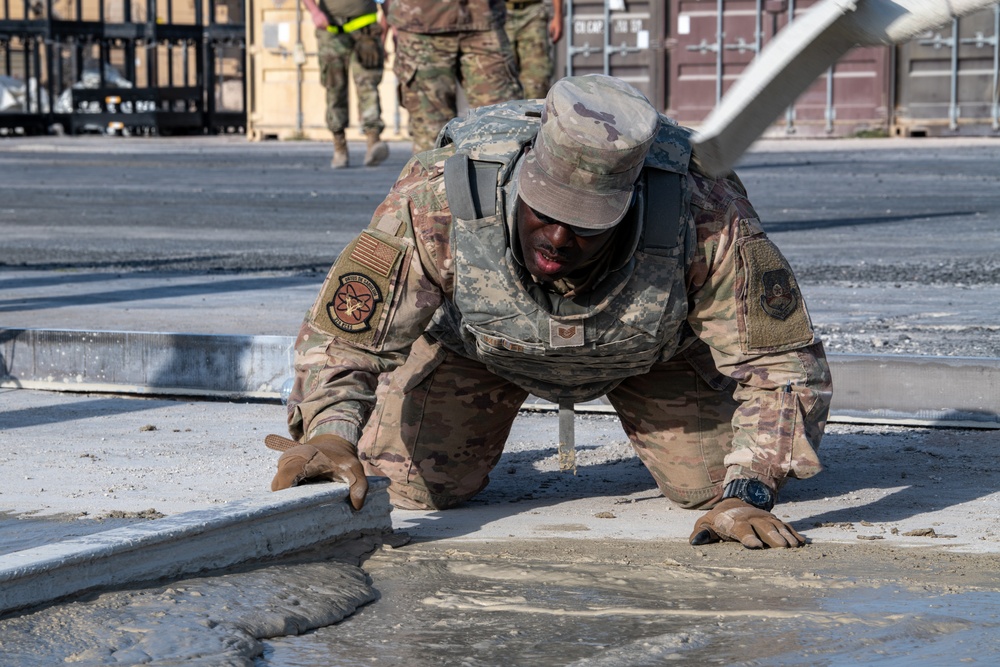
[{"x": 801, "y": 52}]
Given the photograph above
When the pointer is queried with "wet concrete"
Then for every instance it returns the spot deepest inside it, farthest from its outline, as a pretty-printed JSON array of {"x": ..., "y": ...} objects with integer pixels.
[
  {"x": 551, "y": 602},
  {"x": 210, "y": 621},
  {"x": 623, "y": 603}
]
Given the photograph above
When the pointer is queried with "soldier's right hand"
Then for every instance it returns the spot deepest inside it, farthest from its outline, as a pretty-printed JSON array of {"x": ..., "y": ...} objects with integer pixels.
[
  {"x": 322, "y": 457},
  {"x": 736, "y": 521}
]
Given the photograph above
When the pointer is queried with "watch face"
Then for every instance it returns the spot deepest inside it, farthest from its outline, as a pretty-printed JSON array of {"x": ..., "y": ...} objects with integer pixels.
[
  {"x": 758, "y": 494},
  {"x": 751, "y": 491}
]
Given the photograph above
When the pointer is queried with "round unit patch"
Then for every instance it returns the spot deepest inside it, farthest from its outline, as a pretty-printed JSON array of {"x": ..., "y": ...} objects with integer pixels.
[
  {"x": 779, "y": 299},
  {"x": 353, "y": 304}
]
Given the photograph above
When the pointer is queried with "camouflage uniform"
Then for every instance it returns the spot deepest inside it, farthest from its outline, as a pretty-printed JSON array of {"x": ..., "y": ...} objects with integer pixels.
[
  {"x": 527, "y": 29},
  {"x": 695, "y": 330},
  {"x": 336, "y": 52},
  {"x": 441, "y": 45}
]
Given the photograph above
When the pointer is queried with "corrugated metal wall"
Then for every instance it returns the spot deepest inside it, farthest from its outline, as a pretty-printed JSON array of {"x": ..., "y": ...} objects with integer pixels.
[
  {"x": 684, "y": 55},
  {"x": 946, "y": 85},
  {"x": 623, "y": 39},
  {"x": 714, "y": 40}
]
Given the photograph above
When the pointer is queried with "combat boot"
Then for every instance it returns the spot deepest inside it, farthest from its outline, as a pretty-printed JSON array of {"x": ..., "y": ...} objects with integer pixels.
[
  {"x": 378, "y": 150},
  {"x": 340, "y": 157}
]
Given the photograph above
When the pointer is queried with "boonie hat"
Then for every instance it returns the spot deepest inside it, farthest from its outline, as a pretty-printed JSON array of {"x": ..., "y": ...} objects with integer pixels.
[{"x": 589, "y": 151}]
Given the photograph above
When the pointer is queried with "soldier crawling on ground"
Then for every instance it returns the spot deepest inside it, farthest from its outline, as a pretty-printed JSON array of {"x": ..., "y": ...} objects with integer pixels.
[{"x": 589, "y": 256}]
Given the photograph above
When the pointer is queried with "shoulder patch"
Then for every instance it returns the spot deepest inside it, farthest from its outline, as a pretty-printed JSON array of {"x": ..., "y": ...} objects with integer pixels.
[
  {"x": 355, "y": 300},
  {"x": 772, "y": 315},
  {"x": 353, "y": 303},
  {"x": 373, "y": 254}
]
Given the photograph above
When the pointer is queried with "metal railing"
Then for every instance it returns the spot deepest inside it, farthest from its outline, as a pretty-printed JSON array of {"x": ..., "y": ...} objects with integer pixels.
[{"x": 84, "y": 65}]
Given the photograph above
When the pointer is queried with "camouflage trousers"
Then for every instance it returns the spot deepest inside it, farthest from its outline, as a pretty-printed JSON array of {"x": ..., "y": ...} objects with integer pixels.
[
  {"x": 431, "y": 67},
  {"x": 336, "y": 56},
  {"x": 528, "y": 31},
  {"x": 441, "y": 421}
]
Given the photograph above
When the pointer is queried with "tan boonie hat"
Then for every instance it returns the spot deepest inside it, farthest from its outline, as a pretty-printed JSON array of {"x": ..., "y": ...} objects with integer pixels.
[{"x": 593, "y": 140}]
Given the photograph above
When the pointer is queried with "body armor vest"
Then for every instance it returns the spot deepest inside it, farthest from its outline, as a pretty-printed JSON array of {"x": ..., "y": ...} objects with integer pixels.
[{"x": 557, "y": 348}]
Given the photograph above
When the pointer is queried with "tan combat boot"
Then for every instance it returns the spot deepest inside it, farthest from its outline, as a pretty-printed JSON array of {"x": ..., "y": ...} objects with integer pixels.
[
  {"x": 378, "y": 150},
  {"x": 340, "y": 157}
]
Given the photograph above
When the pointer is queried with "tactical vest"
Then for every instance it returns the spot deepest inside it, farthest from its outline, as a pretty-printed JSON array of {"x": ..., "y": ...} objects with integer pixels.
[{"x": 557, "y": 348}]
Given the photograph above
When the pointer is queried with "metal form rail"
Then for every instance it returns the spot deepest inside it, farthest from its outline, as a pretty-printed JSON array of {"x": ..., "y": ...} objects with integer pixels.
[{"x": 879, "y": 389}]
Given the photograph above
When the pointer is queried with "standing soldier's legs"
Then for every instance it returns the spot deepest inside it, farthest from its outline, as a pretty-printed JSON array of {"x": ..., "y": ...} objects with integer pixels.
[
  {"x": 439, "y": 427},
  {"x": 488, "y": 73},
  {"x": 334, "y": 54},
  {"x": 681, "y": 428},
  {"x": 425, "y": 66},
  {"x": 528, "y": 31},
  {"x": 366, "y": 82}
]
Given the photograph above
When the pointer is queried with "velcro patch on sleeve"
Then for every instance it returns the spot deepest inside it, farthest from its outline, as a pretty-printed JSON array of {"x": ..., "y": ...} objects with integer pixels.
[
  {"x": 358, "y": 292},
  {"x": 773, "y": 317}
]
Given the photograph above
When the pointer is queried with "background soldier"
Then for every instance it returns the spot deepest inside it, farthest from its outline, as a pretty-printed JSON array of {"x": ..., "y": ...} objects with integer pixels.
[
  {"x": 533, "y": 34},
  {"x": 441, "y": 45},
  {"x": 605, "y": 263},
  {"x": 349, "y": 37}
]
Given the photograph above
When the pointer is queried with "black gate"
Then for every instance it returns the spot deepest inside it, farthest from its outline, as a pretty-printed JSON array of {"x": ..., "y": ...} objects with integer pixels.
[{"x": 130, "y": 66}]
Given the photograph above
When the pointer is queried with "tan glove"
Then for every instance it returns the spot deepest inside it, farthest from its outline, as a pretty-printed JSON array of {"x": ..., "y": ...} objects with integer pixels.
[
  {"x": 323, "y": 457},
  {"x": 366, "y": 45},
  {"x": 736, "y": 521}
]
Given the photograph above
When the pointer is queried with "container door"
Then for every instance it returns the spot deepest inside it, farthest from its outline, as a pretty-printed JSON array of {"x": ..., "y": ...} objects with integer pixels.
[
  {"x": 947, "y": 80},
  {"x": 712, "y": 41},
  {"x": 619, "y": 38}
]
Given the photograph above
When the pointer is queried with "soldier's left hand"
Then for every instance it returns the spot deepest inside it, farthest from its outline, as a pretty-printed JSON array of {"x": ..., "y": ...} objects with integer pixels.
[{"x": 736, "y": 521}]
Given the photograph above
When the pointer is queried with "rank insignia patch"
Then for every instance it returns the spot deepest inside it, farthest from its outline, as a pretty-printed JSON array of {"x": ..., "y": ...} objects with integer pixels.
[
  {"x": 353, "y": 303},
  {"x": 779, "y": 299},
  {"x": 565, "y": 335}
]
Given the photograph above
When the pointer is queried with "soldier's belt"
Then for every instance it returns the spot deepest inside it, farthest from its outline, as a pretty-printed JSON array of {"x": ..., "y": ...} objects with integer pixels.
[
  {"x": 354, "y": 24},
  {"x": 522, "y": 5}
]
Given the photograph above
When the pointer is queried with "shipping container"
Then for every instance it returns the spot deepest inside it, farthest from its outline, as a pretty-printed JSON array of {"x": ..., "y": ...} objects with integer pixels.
[
  {"x": 947, "y": 80},
  {"x": 619, "y": 38},
  {"x": 711, "y": 42}
]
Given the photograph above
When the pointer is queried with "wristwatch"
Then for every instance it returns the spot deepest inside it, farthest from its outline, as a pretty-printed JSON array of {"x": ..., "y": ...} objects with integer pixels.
[{"x": 752, "y": 491}]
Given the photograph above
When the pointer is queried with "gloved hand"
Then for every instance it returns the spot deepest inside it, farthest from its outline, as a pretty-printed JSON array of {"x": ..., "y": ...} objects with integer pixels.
[
  {"x": 366, "y": 45},
  {"x": 322, "y": 457},
  {"x": 736, "y": 521}
]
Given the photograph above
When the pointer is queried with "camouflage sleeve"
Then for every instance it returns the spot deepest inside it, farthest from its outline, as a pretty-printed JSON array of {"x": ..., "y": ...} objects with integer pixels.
[
  {"x": 746, "y": 305},
  {"x": 376, "y": 300}
]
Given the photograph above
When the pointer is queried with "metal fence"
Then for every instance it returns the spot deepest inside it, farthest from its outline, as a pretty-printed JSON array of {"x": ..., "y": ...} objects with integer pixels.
[{"x": 129, "y": 66}]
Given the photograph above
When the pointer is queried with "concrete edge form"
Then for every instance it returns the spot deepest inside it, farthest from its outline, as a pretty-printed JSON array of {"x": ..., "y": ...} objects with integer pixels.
[
  {"x": 884, "y": 389},
  {"x": 141, "y": 362},
  {"x": 254, "y": 529}
]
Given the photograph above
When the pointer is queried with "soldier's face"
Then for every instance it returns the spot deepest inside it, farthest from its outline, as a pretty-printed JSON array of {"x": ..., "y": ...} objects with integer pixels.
[{"x": 552, "y": 249}]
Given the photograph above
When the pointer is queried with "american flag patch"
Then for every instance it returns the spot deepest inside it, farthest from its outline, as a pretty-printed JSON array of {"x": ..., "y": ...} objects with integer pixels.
[{"x": 374, "y": 254}]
